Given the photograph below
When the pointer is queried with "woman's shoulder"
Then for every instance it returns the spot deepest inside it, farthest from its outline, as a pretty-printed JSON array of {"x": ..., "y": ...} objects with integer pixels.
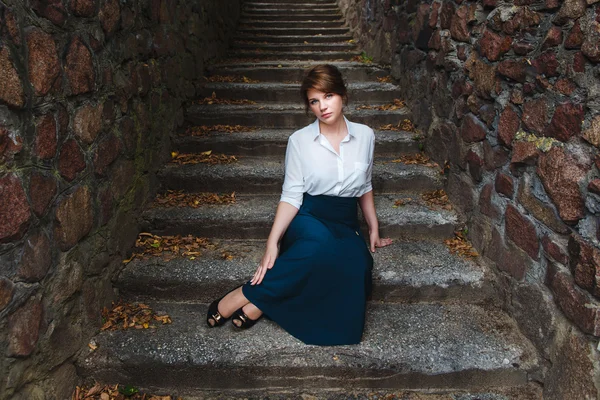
[
  {"x": 361, "y": 130},
  {"x": 302, "y": 133}
]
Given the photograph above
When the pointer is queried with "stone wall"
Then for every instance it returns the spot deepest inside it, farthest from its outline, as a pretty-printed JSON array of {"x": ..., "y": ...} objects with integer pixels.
[
  {"x": 508, "y": 92},
  {"x": 89, "y": 92}
]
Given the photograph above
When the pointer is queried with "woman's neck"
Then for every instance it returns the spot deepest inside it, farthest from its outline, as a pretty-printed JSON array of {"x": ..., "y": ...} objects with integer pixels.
[{"x": 335, "y": 128}]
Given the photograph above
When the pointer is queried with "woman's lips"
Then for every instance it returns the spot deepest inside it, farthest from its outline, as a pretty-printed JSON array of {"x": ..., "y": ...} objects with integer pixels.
[{"x": 326, "y": 115}]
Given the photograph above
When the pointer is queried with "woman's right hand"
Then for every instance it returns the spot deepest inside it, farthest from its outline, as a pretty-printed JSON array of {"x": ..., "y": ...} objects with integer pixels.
[{"x": 266, "y": 263}]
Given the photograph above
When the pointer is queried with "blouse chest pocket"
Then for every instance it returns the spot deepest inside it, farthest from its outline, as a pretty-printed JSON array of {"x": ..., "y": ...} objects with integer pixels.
[{"x": 361, "y": 167}]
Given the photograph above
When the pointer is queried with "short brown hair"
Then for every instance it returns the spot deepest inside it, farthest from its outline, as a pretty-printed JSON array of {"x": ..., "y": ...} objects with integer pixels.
[{"x": 325, "y": 78}]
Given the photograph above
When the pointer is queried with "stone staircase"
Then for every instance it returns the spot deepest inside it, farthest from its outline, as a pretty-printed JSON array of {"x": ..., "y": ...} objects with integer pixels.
[{"x": 433, "y": 325}]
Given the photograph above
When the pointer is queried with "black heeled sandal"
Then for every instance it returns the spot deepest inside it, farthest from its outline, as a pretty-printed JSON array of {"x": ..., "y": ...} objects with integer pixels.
[
  {"x": 246, "y": 321},
  {"x": 214, "y": 314}
]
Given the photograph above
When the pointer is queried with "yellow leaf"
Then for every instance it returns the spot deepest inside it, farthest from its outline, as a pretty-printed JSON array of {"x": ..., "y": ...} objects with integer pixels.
[
  {"x": 206, "y": 153},
  {"x": 93, "y": 346},
  {"x": 174, "y": 154},
  {"x": 192, "y": 258},
  {"x": 146, "y": 325}
]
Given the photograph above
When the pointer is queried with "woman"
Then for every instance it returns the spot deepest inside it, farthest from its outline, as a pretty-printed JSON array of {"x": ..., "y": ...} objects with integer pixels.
[{"x": 315, "y": 275}]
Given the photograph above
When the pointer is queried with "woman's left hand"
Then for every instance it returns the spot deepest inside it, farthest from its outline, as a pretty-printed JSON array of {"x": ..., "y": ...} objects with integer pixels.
[{"x": 376, "y": 241}]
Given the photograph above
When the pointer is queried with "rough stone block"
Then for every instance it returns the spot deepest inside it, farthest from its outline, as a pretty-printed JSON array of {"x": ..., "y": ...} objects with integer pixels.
[
  {"x": 494, "y": 157},
  {"x": 515, "y": 70},
  {"x": 570, "y": 10},
  {"x": 507, "y": 258},
  {"x": 565, "y": 86},
  {"x": 535, "y": 115},
  {"x": 110, "y": 16},
  {"x": 591, "y": 46},
  {"x": 9, "y": 26},
  {"x": 11, "y": 86},
  {"x": 87, "y": 123},
  {"x": 24, "y": 329},
  {"x": 107, "y": 152},
  {"x": 494, "y": 46},
  {"x": 577, "y": 305},
  {"x": 508, "y": 125},
  {"x": 561, "y": 173},
  {"x": 46, "y": 137},
  {"x": 37, "y": 258},
  {"x": 541, "y": 210},
  {"x": 483, "y": 74},
  {"x": 7, "y": 289},
  {"x": 42, "y": 190},
  {"x": 15, "y": 214},
  {"x": 594, "y": 186},
  {"x": 592, "y": 133},
  {"x": 575, "y": 37},
  {"x": 74, "y": 218},
  {"x": 472, "y": 129},
  {"x": 70, "y": 160},
  {"x": 459, "y": 29},
  {"x": 522, "y": 232},
  {"x": 584, "y": 261},
  {"x": 554, "y": 250},
  {"x": 83, "y": 8},
  {"x": 52, "y": 10},
  {"x": 44, "y": 66},
  {"x": 80, "y": 68},
  {"x": 553, "y": 38},
  {"x": 68, "y": 279},
  {"x": 446, "y": 15},
  {"x": 524, "y": 153},
  {"x": 566, "y": 122},
  {"x": 504, "y": 185},
  {"x": 485, "y": 203},
  {"x": 475, "y": 164},
  {"x": 574, "y": 369},
  {"x": 547, "y": 64}
]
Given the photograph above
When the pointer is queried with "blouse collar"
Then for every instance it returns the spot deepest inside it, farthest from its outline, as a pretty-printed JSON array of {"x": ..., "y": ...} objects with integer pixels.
[{"x": 316, "y": 132}]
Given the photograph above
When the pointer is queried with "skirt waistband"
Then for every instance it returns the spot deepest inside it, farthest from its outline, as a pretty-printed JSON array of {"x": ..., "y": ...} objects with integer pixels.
[{"x": 331, "y": 208}]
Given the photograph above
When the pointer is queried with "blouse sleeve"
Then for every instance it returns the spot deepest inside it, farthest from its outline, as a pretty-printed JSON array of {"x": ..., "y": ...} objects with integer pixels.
[
  {"x": 293, "y": 184},
  {"x": 367, "y": 187}
]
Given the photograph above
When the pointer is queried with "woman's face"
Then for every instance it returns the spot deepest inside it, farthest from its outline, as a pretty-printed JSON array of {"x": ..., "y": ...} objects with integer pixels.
[{"x": 327, "y": 107}]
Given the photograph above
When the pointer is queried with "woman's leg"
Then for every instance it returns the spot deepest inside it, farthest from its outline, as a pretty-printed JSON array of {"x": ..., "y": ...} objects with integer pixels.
[
  {"x": 232, "y": 302},
  {"x": 251, "y": 311}
]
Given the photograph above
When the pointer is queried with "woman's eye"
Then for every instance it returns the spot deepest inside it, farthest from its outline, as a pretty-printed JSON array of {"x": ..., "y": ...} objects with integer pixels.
[
  {"x": 313, "y": 102},
  {"x": 329, "y": 95}
]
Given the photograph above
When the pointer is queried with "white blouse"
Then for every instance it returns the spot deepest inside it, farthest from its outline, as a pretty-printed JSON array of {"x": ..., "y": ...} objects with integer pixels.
[{"x": 312, "y": 166}]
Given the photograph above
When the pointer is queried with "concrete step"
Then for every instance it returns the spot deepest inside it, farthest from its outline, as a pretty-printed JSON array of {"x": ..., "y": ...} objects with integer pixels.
[
  {"x": 292, "y": 47},
  {"x": 273, "y": 142},
  {"x": 418, "y": 271},
  {"x": 297, "y": 55},
  {"x": 251, "y": 217},
  {"x": 295, "y": 8},
  {"x": 300, "y": 31},
  {"x": 290, "y": 15},
  {"x": 405, "y": 346},
  {"x": 264, "y": 175},
  {"x": 529, "y": 392},
  {"x": 323, "y": 25},
  {"x": 283, "y": 115},
  {"x": 361, "y": 92},
  {"x": 293, "y": 71},
  {"x": 292, "y": 39},
  {"x": 272, "y": 3}
]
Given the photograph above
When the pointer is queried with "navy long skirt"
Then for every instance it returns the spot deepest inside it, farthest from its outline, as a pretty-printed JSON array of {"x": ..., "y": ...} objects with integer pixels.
[{"x": 318, "y": 286}]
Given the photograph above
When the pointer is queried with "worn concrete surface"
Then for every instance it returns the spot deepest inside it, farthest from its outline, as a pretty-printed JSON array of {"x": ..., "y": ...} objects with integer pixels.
[
  {"x": 271, "y": 142},
  {"x": 371, "y": 93},
  {"x": 404, "y": 346},
  {"x": 251, "y": 218},
  {"x": 293, "y": 71},
  {"x": 403, "y": 272},
  {"x": 265, "y": 175},
  {"x": 282, "y": 115}
]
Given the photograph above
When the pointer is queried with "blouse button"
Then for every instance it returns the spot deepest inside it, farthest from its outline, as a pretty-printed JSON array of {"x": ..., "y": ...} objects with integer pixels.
[{"x": 356, "y": 233}]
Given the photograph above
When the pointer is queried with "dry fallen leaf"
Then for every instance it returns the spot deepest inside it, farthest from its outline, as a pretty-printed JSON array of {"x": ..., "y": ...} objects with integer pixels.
[
  {"x": 124, "y": 316},
  {"x": 461, "y": 246},
  {"x": 395, "y": 105},
  {"x": 405, "y": 125},
  {"x": 206, "y": 157},
  {"x": 214, "y": 100},
  {"x": 179, "y": 198}
]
